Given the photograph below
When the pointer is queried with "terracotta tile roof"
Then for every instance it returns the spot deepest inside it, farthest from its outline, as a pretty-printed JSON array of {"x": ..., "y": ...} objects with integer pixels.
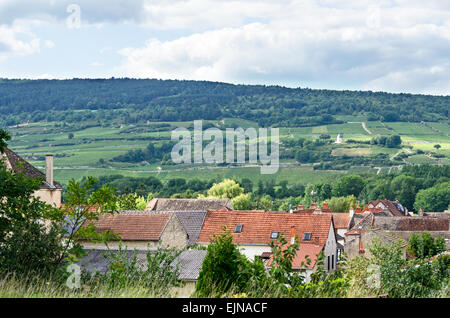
[
  {"x": 133, "y": 226},
  {"x": 362, "y": 225},
  {"x": 18, "y": 164},
  {"x": 91, "y": 209},
  {"x": 192, "y": 221},
  {"x": 266, "y": 254},
  {"x": 307, "y": 249},
  {"x": 314, "y": 207},
  {"x": 310, "y": 250},
  {"x": 162, "y": 204},
  {"x": 341, "y": 220},
  {"x": 258, "y": 226},
  {"x": 394, "y": 207}
]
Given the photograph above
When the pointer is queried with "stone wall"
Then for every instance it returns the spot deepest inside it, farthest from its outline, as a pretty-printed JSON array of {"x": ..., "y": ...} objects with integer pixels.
[
  {"x": 174, "y": 235},
  {"x": 52, "y": 197}
]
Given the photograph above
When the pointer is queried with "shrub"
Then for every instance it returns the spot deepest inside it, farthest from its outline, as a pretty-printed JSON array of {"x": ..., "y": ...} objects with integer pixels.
[
  {"x": 158, "y": 274},
  {"x": 223, "y": 267},
  {"x": 424, "y": 245}
]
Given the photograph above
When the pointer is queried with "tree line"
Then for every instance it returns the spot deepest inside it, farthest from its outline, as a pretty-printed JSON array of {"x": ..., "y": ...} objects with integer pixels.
[
  {"x": 133, "y": 101},
  {"x": 415, "y": 187}
]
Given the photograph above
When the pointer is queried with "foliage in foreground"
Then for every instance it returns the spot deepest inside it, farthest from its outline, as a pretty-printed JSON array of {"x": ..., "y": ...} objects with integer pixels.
[
  {"x": 127, "y": 276},
  {"x": 424, "y": 245},
  {"x": 37, "y": 236},
  {"x": 384, "y": 272}
]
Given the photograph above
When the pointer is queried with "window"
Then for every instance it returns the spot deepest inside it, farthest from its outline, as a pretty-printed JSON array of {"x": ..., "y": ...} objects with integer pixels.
[
  {"x": 332, "y": 261},
  {"x": 274, "y": 235},
  {"x": 328, "y": 262},
  {"x": 238, "y": 228},
  {"x": 307, "y": 237}
]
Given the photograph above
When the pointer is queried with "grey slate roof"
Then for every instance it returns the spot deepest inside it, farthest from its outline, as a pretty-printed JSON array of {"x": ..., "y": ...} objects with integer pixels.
[
  {"x": 412, "y": 223},
  {"x": 18, "y": 164},
  {"x": 163, "y": 204},
  {"x": 192, "y": 222},
  {"x": 402, "y": 223},
  {"x": 189, "y": 262}
]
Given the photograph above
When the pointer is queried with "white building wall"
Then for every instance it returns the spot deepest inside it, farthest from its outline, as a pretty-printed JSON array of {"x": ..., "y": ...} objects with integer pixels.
[
  {"x": 330, "y": 249},
  {"x": 341, "y": 232},
  {"x": 250, "y": 251}
]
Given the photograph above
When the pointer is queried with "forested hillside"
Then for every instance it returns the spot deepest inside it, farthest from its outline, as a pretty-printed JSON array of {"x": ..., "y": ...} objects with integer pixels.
[{"x": 128, "y": 101}]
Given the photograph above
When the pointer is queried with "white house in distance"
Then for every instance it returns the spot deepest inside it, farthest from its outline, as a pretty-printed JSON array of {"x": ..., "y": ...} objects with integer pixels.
[
  {"x": 50, "y": 190},
  {"x": 254, "y": 230}
]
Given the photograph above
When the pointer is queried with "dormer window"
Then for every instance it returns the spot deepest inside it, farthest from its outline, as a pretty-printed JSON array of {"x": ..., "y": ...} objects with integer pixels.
[
  {"x": 307, "y": 236},
  {"x": 238, "y": 228},
  {"x": 274, "y": 235}
]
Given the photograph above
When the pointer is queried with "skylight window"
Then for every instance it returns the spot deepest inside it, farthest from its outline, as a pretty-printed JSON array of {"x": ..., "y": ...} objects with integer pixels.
[
  {"x": 274, "y": 235},
  {"x": 238, "y": 228},
  {"x": 307, "y": 237}
]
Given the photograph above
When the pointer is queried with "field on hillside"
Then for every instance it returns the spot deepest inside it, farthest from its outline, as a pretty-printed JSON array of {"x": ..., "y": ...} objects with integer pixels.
[{"x": 88, "y": 151}]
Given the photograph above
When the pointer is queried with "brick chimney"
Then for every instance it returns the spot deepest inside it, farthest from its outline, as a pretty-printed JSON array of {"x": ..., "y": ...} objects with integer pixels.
[
  {"x": 358, "y": 209},
  {"x": 361, "y": 249},
  {"x": 351, "y": 211},
  {"x": 313, "y": 204},
  {"x": 317, "y": 210},
  {"x": 49, "y": 169},
  {"x": 300, "y": 207},
  {"x": 292, "y": 234},
  {"x": 325, "y": 204}
]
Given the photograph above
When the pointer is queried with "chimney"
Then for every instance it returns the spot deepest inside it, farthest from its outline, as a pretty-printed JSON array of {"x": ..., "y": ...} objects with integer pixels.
[
  {"x": 317, "y": 210},
  {"x": 300, "y": 207},
  {"x": 325, "y": 204},
  {"x": 351, "y": 211},
  {"x": 292, "y": 234},
  {"x": 358, "y": 209},
  {"x": 313, "y": 204},
  {"x": 361, "y": 249},
  {"x": 49, "y": 169},
  {"x": 421, "y": 212}
]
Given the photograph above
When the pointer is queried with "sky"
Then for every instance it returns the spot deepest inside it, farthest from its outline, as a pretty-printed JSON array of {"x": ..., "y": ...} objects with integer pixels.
[{"x": 379, "y": 45}]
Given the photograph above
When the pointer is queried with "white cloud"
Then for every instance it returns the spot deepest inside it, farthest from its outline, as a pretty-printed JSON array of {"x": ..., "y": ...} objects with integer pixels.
[
  {"x": 308, "y": 43},
  {"x": 96, "y": 64},
  {"x": 393, "y": 45},
  {"x": 11, "y": 45},
  {"x": 92, "y": 12},
  {"x": 49, "y": 44}
]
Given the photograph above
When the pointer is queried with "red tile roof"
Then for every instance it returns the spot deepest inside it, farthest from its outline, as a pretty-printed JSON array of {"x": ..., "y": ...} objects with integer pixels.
[
  {"x": 134, "y": 226},
  {"x": 304, "y": 249},
  {"x": 393, "y": 207},
  {"x": 341, "y": 220},
  {"x": 258, "y": 226}
]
